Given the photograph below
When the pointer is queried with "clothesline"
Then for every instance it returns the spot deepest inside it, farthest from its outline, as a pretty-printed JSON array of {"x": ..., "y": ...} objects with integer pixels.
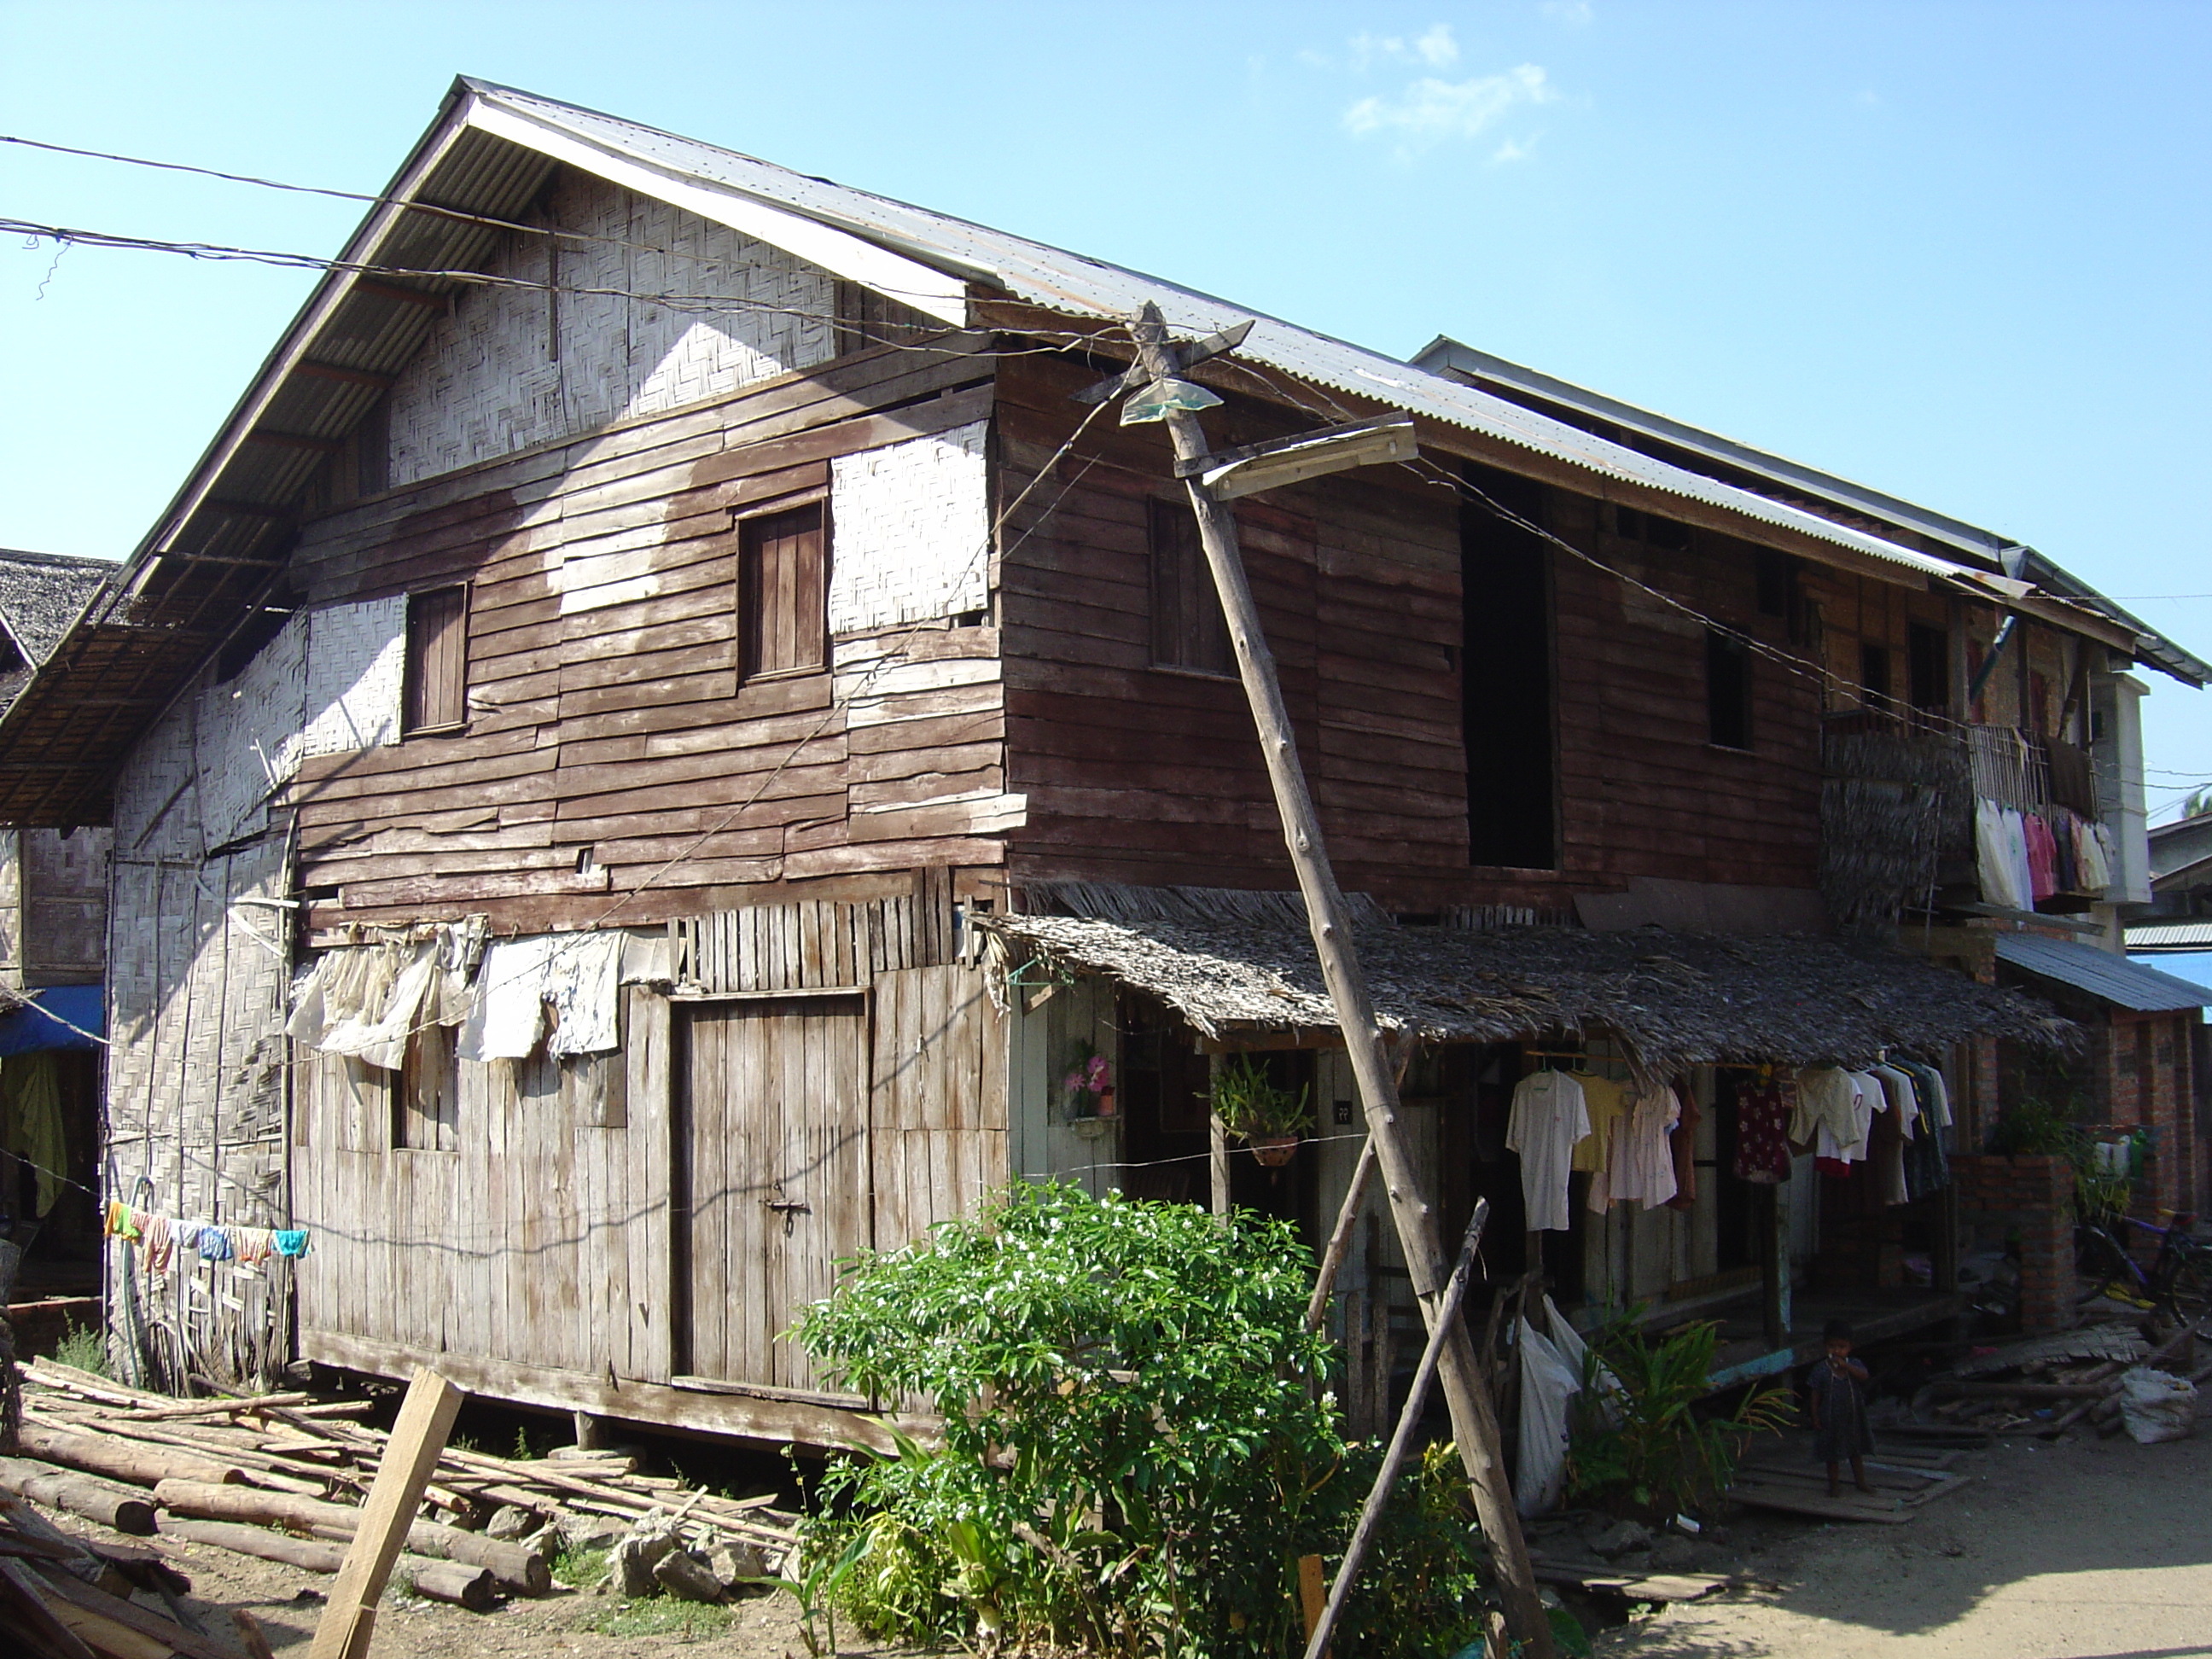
[{"x": 159, "y": 1237}]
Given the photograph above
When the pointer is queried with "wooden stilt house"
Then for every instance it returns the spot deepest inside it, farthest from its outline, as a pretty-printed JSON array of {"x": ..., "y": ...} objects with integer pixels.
[{"x": 661, "y": 730}]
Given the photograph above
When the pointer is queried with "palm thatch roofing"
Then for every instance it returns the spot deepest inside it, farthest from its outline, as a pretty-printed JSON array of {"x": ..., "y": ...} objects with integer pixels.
[
  {"x": 1243, "y": 967},
  {"x": 41, "y": 595}
]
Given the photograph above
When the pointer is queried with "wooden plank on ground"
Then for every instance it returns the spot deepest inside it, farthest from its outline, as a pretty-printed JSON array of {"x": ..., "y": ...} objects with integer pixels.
[{"x": 426, "y": 1417}]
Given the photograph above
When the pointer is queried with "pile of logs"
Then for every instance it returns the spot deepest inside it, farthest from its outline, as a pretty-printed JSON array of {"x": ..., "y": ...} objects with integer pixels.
[
  {"x": 281, "y": 1477},
  {"x": 2046, "y": 1386}
]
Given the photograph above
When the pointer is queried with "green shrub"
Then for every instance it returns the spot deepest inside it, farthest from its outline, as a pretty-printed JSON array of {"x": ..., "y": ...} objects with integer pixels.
[{"x": 1134, "y": 1452}]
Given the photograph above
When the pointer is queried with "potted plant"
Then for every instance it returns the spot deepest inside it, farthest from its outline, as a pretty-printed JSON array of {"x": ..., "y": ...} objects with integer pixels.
[
  {"x": 1087, "y": 1092},
  {"x": 1270, "y": 1119}
]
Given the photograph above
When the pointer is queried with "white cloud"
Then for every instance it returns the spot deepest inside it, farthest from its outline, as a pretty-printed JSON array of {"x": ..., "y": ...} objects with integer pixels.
[
  {"x": 1436, "y": 48},
  {"x": 1429, "y": 112},
  {"x": 1575, "y": 14},
  {"x": 1513, "y": 149}
]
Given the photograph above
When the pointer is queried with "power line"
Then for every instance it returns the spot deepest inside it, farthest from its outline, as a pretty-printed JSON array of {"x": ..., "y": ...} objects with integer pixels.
[
  {"x": 705, "y": 305},
  {"x": 460, "y": 215}
]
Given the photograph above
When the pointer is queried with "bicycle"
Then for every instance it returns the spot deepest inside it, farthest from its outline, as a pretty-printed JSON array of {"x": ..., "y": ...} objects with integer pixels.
[{"x": 2180, "y": 1279}]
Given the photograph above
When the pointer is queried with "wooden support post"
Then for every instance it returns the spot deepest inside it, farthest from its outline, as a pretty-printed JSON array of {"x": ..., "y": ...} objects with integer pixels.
[
  {"x": 1217, "y": 1162},
  {"x": 426, "y": 1417},
  {"x": 1474, "y": 1428},
  {"x": 588, "y": 1437},
  {"x": 1313, "y": 1592},
  {"x": 1339, "y": 1238},
  {"x": 1402, "y": 1442},
  {"x": 1773, "y": 1266}
]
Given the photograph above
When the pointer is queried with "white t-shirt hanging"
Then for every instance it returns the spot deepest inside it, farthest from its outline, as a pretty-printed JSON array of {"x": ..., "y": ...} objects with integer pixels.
[
  {"x": 1642, "y": 1167},
  {"x": 1549, "y": 1117}
]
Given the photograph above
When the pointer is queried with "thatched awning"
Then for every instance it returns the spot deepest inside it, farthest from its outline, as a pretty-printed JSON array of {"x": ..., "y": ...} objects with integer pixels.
[{"x": 1672, "y": 999}]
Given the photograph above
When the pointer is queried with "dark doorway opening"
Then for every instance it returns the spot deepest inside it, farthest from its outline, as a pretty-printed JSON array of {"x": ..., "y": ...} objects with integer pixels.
[{"x": 1506, "y": 675}]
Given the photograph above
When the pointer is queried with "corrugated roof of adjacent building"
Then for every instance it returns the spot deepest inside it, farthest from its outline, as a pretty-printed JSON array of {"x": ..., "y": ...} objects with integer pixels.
[
  {"x": 2155, "y": 936},
  {"x": 2108, "y": 978}
]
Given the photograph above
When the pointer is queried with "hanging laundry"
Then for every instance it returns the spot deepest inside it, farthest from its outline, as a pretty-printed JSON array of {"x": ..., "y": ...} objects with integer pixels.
[
  {"x": 1549, "y": 1117},
  {"x": 1641, "y": 1167},
  {"x": 583, "y": 981},
  {"x": 1601, "y": 1099},
  {"x": 1762, "y": 1141},
  {"x": 1869, "y": 1101},
  {"x": 1682, "y": 1142},
  {"x": 508, "y": 1014},
  {"x": 31, "y": 1111},
  {"x": 157, "y": 1243},
  {"x": 210, "y": 1241},
  {"x": 1993, "y": 860},
  {"x": 290, "y": 1242},
  {"x": 1827, "y": 1117},
  {"x": 2042, "y": 856}
]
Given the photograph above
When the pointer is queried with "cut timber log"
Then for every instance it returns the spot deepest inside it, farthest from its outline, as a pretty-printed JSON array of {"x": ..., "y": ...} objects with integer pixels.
[
  {"x": 204, "y": 1501},
  {"x": 470, "y": 1586},
  {"x": 520, "y": 1570},
  {"x": 465, "y": 1586},
  {"x": 131, "y": 1460},
  {"x": 310, "y": 1555},
  {"x": 113, "y": 1506}
]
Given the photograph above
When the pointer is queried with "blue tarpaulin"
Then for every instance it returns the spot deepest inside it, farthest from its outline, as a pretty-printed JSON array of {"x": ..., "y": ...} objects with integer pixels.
[{"x": 45, "y": 1020}]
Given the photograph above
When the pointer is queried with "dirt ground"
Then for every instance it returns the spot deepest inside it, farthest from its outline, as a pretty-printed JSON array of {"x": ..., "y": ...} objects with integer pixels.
[
  {"x": 288, "y": 1601},
  {"x": 2088, "y": 1549}
]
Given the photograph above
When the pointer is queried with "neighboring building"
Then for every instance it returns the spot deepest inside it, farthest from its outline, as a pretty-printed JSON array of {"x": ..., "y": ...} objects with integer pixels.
[
  {"x": 694, "y": 737},
  {"x": 53, "y": 923}
]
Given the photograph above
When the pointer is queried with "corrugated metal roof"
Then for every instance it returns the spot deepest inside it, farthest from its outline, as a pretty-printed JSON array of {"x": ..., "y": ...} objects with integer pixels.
[
  {"x": 1080, "y": 286},
  {"x": 2170, "y": 936},
  {"x": 2112, "y": 978}
]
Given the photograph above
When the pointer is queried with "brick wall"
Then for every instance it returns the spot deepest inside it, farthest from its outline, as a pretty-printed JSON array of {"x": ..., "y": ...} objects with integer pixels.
[
  {"x": 912, "y": 524},
  {"x": 2146, "y": 1085},
  {"x": 512, "y": 368},
  {"x": 2029, "y": 1196}
]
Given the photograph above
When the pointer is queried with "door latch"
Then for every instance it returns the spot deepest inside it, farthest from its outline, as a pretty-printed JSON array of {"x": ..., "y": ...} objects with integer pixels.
[{"x": 791, "y": 1208}]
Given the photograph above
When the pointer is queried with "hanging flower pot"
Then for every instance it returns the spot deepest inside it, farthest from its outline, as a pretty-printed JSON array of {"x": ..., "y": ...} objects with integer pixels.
[{"x": 1270, "y": 1121}]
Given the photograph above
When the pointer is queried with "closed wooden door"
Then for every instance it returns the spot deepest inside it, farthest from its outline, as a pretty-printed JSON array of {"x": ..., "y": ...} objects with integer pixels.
[{"x": 772, "y": 1180}]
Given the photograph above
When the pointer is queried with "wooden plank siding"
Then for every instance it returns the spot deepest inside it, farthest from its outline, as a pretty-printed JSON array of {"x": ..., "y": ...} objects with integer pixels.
[
  {"x": 1138, "y": 773},
  {"x": 607, "y": 729}
]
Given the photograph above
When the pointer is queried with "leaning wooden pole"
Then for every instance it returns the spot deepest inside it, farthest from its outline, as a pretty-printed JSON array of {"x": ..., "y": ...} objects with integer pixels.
[
  {"x": 1474, "y": 1427},
  {"x": 1401, "y": 1442}
]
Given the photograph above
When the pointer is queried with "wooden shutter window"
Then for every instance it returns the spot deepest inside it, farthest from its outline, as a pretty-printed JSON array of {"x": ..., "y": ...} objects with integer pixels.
[
  {"x": 437, "y": 660},
  {"x": 1189, "y": 630},
  {"x": 782, "y": 591}
]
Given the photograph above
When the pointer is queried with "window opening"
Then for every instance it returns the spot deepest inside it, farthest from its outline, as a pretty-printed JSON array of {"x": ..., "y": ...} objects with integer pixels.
[
  {"x": 782, "y": 587},
  {"x": 1728, "y": 691},
  {"x": 1928, "y": 668},
  {"x": 1189, "y": 630},
  {"x": 437, "y": 660},
  {"x": 426, "y": 1104}
]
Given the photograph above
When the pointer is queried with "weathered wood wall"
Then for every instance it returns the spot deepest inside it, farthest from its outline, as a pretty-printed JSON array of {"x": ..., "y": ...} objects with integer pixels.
[
  {"x": 570, "y": 1250},
  {"x": 608, "y": 731},
  {"x": 1152, "y": 775},
  {"x": 1141, "y": 773}
]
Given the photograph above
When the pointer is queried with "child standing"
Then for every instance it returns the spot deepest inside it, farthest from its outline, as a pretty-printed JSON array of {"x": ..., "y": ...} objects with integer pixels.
[{"x": 1837, "y": 1384}]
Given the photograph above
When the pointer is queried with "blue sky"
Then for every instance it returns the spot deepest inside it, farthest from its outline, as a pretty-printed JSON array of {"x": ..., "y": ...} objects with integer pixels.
[{"x": 1957, "y": 251}]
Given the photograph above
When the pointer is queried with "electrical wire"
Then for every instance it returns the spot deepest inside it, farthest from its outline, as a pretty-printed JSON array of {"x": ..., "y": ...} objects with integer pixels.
[{"x": 461, "y": 216}]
